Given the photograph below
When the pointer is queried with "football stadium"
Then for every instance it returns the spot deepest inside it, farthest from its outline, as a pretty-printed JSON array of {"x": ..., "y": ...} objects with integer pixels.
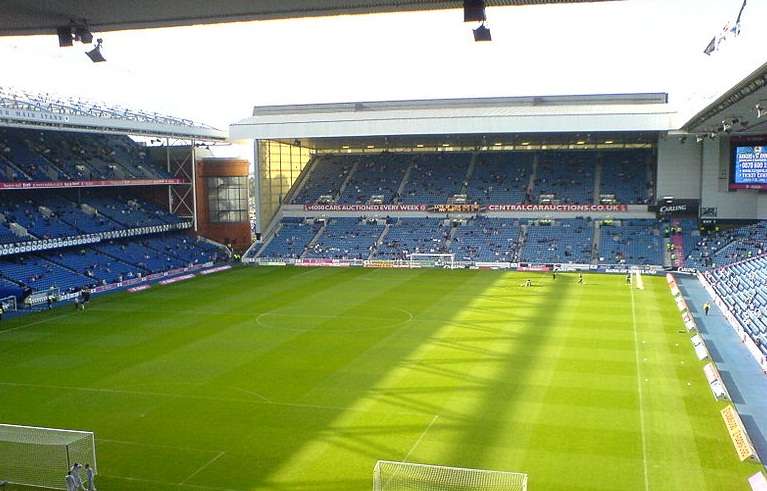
[{"x": 562, "y": 291}]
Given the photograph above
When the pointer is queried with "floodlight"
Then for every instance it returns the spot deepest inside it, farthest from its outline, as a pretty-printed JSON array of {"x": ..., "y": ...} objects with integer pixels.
[
  {"x": 83, "y": 35},
  {"x": 95, "y": 54},
  {"x": 760, "y": 111},
  {"x": 699, "y": 138},
  {"x": 473, "y": 10},
  {"x": 65, "y": 36},
  {"x": 482, "y": 33}
]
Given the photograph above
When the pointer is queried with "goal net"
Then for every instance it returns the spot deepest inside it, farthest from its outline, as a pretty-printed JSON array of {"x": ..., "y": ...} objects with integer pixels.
[
  {"x": 41, "y": 457},
  {"x": 8, "y": 304},
  {"x": 403, "y": 476},
  {"x": 422, "y": 260}
]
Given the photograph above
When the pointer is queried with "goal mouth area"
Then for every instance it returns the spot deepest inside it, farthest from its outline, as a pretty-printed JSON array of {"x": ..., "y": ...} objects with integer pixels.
[{"x": 407, "y": 476}]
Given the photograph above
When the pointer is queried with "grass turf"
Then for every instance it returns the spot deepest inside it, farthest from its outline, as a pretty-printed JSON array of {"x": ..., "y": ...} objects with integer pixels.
[{"x": 298, "y": 379}]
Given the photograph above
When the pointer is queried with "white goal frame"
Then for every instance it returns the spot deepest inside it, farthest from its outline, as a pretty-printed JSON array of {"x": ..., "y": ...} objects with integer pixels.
[
  {"x": 417, "y": 260},
  {"x": 9, "y": 304},
  {"x": 22, "y": 448},
  {"x": 401, "y": 476}
]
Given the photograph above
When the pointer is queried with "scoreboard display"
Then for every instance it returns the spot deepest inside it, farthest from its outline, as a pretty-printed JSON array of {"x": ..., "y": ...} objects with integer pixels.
[{"x": 749, "y": 167}]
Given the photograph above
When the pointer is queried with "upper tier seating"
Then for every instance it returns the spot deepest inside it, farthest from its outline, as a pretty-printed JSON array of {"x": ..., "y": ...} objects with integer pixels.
[
  {"x": 436, "y": 178},
  {"x": 632, "y": 242},
  {"x": 346, "y": 238},
  {"x": 564, "y": 241},
  {"x": 131, "y": 211},
  {"x": 33, "y": 155},
  {"x": 378, "y": 175},
  {"x": 487, "y": 239},
  {"x": 413, "y": 235},
  {"x": 567, "y": 175},
  {"x": 500, "y": 178},
  {"x": 291, "y": 239},
  {"x": 327, "y": 174},
  {"x": 624, "y": 174}
]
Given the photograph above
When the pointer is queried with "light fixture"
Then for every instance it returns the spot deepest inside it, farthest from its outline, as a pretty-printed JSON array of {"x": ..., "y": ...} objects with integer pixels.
[
  {"x": 445, "y": 144},
  {"x": 371, "y": 146},
  {"x": 420, "y": 145},
  {"x": 608, "y": 142},
  {"x": 473, "y": 10},
  {"x": 683, "y": 139},
  {"x": 65, "y": 36},
  {"x": 345, "y": 147},
  {"x": 83, "y": 35},
  {"x": 498, "y": 144},
  {"x": 95, "y": 54},
  {"x": 699, "y": 138},
  {"x": 525, "y": 143},
  {"x": 760, "y": 111},
  {"x": 482, "y": 33},
  {"x": 726, "y": 126},
  {"x": 580, "y": 142}
]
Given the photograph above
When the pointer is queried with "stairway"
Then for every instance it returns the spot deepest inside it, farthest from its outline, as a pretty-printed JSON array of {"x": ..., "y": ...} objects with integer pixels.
[
  {"x": 469, "y": 173},
  {"x": 405, "y": 179},
  {"x": 597, "y": 182},
  {"x": 379, "y": 241},
  {"x": 597, "y": 239},
  {"x": 314, "y": 239},
  {"x": 346, "y": 181}
]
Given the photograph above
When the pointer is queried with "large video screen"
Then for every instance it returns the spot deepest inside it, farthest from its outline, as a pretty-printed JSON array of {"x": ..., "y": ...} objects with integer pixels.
[{"x": 749, "y": 167}]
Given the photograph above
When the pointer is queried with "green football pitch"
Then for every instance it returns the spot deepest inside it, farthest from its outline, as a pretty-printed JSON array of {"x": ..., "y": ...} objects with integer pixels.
[{"x": 301, "y": 379}]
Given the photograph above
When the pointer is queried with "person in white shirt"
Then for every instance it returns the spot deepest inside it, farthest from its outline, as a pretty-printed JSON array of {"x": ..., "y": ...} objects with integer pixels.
[
  {"x": 89, "y": 478},
  {"x": 75, "y": 473},
  {"x": 70, "y": 481}
]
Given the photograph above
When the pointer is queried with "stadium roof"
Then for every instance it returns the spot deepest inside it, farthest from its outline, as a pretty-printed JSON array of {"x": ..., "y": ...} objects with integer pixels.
[
  {"x": 30, "y": 110},
  {"x": 44, "y": 16},
  {"x": 648, "y": 112},
  {"x": 737, "y": 104}
]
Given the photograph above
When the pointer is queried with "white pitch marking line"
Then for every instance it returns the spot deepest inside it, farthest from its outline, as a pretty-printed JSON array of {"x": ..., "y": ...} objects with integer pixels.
[
  {"x": 165, "y": 483},
  {"x": 639, "y": 390},
  {"x": 418, "y": 442},
  {"x": 41, "y": 321},
  {"x": 204, "y": 466}
]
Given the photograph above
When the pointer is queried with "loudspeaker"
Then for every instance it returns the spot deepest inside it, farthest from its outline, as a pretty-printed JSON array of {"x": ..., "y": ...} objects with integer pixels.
[{"x": 482, "y": 33}]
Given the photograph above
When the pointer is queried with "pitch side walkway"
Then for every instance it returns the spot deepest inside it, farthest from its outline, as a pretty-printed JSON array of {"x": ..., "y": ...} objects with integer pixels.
[{"x": 740, "y": 373}]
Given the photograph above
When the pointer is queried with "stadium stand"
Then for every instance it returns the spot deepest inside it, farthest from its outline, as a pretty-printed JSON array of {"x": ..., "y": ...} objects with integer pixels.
[
  {"x": 31, "y": 155},
  {"x": 631, "y": 242},
  {"x": 487, "y": 239},
  {"x": 501, "y": 178},
  {"x": 379, "y": 176},
  {"x": 569, "y": 176},
  {"x": 407, "y": 236},
  {"x": 720, "y": 248},
  {"x": 743, "y": 288},
  {"x": 290, "y": 240},
  {"x": 625, "y": 175},
  {"x": 563, "y": 241},
  {"x": 326, "y": 176},
  {"x": 437, "y": 178},
  {"x": 346, "y": 238}
]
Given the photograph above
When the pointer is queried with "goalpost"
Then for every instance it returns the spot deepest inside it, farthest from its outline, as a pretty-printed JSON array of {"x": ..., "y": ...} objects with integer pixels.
[
  {"x": 8, "y": 304},
  {"x": 41, "y": 457},
  {"x": 423, "y": 260},
  {"x": 404, "y": 476}
]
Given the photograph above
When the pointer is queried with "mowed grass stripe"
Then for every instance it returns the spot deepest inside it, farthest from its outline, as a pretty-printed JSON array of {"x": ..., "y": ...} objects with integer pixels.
[{"x": 540, "y": 380}]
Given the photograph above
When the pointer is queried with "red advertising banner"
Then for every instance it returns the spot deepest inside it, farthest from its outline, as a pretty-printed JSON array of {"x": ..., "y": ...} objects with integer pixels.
[
  {"x": 533, "y": 207},
  {"x": 342, "y": 207},
  {"x": 88, "y": 184}
]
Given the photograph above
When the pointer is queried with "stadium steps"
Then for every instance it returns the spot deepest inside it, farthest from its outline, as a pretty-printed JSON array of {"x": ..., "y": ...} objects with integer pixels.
[
  {"x": 346, "y": 181},
  {"x": 405, "y": 179},
  {"x": 533, "y": 175},
  {"x": 6, "y": 166},
  {"x": 596, "y": 241},
  {"x": 469, "y": 173},
  {"x": 597, "y": 181},
  {"x": 301, "y": 180},
  {"x": 521, "y": 241},
  {"x": 316, "y": 238},
  {"x": 379, "y": 241}
]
